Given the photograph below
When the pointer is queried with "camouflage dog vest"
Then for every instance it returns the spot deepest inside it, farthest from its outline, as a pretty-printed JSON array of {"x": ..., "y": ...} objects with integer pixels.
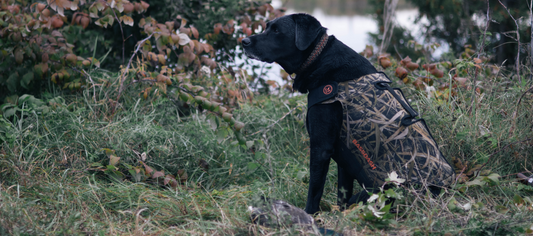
[{"x": 380, "y": 129}]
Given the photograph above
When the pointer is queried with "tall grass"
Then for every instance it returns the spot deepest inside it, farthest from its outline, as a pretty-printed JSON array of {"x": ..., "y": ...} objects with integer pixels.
[{"x": 47, "y": 185}]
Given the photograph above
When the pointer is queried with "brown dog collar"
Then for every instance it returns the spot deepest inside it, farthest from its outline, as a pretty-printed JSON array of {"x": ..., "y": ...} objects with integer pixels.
[{"x": 314, "y": 54}]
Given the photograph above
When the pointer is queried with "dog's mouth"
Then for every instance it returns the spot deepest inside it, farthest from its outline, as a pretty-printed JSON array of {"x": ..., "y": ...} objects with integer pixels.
[
  {"x": 256, "y": 57},
  {"x": 251, "y": 55}
]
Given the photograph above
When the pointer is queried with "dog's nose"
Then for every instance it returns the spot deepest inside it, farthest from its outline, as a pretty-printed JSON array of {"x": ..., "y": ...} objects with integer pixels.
[{"x": 246, "y": 42}]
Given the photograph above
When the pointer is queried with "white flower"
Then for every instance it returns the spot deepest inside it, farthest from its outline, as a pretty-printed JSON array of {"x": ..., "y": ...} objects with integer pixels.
[
  {"x": 205, "y": 70},
  {"x": 429, "y": 90},
  {"x": 393, "y": 177},
  {"x": 372, "y": 198},
  {"x": 466, "y": 207},
  {"x": 376, "y": 212}
]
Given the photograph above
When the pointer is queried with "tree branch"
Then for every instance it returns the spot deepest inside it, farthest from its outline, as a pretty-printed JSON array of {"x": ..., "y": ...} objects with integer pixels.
[
  {"x": 517, "y": 63},
  {"x": 139, "y": 44},
  {"x": 481, "y": 48}
]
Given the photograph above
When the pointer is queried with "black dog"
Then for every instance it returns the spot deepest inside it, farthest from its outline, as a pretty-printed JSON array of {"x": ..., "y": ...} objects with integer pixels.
[{"x": 353, "y": 115}]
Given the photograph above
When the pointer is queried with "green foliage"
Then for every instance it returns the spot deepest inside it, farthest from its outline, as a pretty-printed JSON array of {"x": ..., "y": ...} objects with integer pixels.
[
  {"x": 34, "y": 48},
  {"x": 452, "y": 21},
  {"x": 399, "y": 39},
  {"x": 462, "y": 23},
  {"x": 25, "y": 103},
  {"x": 6, "y": 133},
  {"x": 172, "y": 53},
  {"x": 86, "y": 163},
  {"x": 39, "y": 47},
  {"x": 220, "y": 15},
  {"x": 155, "y": 149},
  {"x": 377, "y": 211}
]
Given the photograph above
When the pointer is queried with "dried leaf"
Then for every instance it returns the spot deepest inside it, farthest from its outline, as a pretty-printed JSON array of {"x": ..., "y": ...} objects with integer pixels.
[
  {"x": 148, "y": 170},
  {"x": 119, "y": 7},
  {"x": 127, "y": 20},
  {"x": 182, "y": 175},
  {"x": 194, "y": 32},
  {"x": 158, "y": 174},
  {"x": 113, "y": 160},
  {"x": 169, "y": 179},
  {"x": 217, "y": 28}
]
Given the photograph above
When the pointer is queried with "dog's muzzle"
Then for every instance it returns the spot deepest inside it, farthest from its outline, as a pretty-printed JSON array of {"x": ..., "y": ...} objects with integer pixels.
[
  {"x": 246, "y": 42},
  {"x": 247, "y": 46}
]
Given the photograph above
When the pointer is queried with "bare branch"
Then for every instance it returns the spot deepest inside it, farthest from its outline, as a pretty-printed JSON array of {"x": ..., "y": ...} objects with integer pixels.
[
  {"x": 388, "y": 27},
  {"x": 531, "y": 43},
  {"x": 481, "y": 48},
  {"x": 517, "y": 63},
  {"x": 139, "y": 44}
]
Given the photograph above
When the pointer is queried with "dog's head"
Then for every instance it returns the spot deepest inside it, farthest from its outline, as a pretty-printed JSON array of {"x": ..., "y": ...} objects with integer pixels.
[{"x": 287, "y": 40}]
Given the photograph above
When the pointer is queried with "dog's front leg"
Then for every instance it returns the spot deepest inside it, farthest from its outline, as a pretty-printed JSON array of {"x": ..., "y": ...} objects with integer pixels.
[
  {"x": 324, "y": 122},
  {"x": 345, "y": 187}
]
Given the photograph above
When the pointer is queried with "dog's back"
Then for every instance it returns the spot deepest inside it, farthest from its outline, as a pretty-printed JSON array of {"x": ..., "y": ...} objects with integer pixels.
[{"x": 373, "y": 132}]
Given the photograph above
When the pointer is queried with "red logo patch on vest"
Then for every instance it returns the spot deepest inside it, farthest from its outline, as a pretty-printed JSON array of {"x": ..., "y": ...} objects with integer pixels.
[{"x": 327, "y": 89}]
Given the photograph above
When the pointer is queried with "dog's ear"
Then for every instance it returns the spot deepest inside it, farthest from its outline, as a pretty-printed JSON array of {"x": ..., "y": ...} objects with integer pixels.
[{"x": 307, "y": 30}]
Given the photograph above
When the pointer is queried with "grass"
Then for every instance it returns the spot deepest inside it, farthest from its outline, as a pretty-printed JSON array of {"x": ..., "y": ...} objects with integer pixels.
[{"x": 47, "y": 185}]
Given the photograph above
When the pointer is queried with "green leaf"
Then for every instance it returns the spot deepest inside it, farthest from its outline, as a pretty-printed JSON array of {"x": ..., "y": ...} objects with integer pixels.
[
  {"x": 26, "y": 98},
  {"x": 494, "y": 177},
  {"x": 517, "y": 199},
  {"x": 108, "y": 151},
  {"x": 6, "y": 106},
  {"x": 259, "y": 155},
  {"x": 13, "y": 99},
  {"x": 390, "y": 193},
  {"x": 96, "y": 164},
  {"x": 93, "y": 11},
  {"x": 249, "y": 144},
  {"x": 159, "y": 43},
  {"x": 252, "y": 166},
  {"x": 9, "y": 112},
  {"x": 110, "y": 19},
  {"x": 42, "y": 109},
  {"x": 477, "y": 181},
  {"x": 12, "y": 82},
  {"x": 301, "y": 175},
  {"x": 212, "y": 121},
  {"x": 386, "y": 209},
  {"x": 222, "y": 133},
  {"x": 114, "y": 174},
  {"x": 452, "y": 204},
  {"x": 501, "y": 209},
  {"x": 111, "y": 168}
]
